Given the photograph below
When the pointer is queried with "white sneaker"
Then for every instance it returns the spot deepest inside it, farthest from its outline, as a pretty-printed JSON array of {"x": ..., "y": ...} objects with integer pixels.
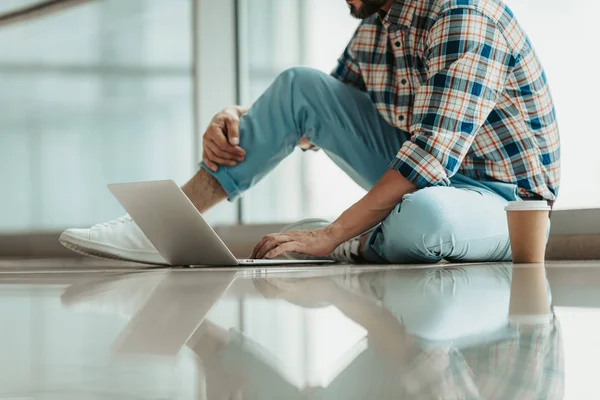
[
  {"x": 347, "y": 252},
  {"x": 119, "y": 239},
  {"x": 123, "y": 295}
]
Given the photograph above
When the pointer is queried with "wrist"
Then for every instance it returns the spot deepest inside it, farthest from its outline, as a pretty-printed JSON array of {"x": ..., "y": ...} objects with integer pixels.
[{"x": 335, "y": 231}]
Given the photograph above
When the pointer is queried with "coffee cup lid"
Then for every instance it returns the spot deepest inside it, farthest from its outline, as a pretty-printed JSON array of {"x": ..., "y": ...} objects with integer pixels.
[{"x": 533, "y": 205}]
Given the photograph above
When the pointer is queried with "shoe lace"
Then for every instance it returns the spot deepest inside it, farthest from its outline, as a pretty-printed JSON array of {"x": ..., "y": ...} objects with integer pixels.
[
  {"x": 347, "y": 251},
  {"x": 119, "y": 221}
]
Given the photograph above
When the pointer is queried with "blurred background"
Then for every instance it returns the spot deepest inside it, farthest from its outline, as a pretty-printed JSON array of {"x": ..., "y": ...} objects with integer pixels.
[{"x": 102, "y": 91}]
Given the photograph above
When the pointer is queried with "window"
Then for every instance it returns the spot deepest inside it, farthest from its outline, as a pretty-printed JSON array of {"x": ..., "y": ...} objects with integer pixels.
[
  {"x": 94, "y": 94},
  {"x": 278, "y": 34}
]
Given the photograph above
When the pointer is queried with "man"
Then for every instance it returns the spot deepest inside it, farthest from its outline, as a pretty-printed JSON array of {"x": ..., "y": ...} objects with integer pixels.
[{"x": 439, "y": 108}]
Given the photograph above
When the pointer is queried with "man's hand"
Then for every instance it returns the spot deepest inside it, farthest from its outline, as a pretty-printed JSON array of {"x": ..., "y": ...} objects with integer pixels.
[
  {"x": 358, "y": 219},
  {"x": 318, "y": 243},
  {"x": 222, "y": 138}
]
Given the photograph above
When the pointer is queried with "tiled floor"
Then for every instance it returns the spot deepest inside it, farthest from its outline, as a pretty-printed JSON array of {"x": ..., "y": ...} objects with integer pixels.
[{"x": 101, "y": 330}]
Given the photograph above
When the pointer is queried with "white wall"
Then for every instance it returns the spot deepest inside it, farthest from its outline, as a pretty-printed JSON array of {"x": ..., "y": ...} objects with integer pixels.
[{"x": 565, "y": 36}]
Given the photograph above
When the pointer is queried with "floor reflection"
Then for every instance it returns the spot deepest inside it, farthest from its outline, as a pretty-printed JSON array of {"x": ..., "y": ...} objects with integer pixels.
[{"x": 408, "y": 333}]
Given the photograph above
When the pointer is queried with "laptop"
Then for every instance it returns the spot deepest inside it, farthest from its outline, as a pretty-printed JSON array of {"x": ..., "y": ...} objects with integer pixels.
[
  {"x": 172, "y": 313},
  {"x": 177, "y": 230}
]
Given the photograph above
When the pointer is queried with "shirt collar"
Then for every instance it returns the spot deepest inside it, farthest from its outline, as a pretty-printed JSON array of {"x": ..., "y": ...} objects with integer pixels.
[{"x": 401, "y": 14}]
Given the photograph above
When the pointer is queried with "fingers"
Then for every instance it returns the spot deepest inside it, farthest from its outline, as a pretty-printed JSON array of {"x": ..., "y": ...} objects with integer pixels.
[
  {"x": 265, "y": 246},
  {"x": 233, "y": 131},
  {"x": 223, "y": 152},
  {"x": 217, "y": 159},
  {"x": 211, "y": 165},
  {"x": 258, "y": 246},
  {"x": 282, "y": 248},
  {"x": 217, "y": 136},
  {"x": 269, "y": 243},
  {"x": 218, "y": 151}
]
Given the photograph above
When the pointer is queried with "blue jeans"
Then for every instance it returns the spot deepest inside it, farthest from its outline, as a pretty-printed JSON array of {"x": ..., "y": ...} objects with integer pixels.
[{"x": 464, "y": 222}]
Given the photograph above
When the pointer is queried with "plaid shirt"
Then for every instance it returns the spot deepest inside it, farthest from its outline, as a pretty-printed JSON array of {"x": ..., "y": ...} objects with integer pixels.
[
  {"x": 462, "y": 77},
  {"x": 530, "y": 366}
]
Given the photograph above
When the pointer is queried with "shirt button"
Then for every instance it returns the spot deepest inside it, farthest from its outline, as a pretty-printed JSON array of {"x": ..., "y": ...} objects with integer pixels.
[
  {"x": 404, "y": 81},
  {"x": 401, "y": 118},
  {"x": 398, "y": 44}
]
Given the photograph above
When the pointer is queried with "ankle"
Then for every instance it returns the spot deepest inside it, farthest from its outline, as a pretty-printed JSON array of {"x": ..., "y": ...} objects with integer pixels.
[{"x": 204, "y": 191}]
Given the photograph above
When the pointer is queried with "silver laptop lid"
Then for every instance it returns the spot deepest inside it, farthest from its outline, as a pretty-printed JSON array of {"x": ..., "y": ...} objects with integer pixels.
[
  {"x": 172, "y": 224},
  {"x": 177, "y": 306}
]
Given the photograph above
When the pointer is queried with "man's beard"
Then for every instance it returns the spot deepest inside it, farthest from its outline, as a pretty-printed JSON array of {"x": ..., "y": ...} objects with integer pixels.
[{"x": 368, "y": 8}]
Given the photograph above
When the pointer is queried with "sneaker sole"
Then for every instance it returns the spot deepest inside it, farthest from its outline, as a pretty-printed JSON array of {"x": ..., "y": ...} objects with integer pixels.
[{"x": 94, "y": 249}]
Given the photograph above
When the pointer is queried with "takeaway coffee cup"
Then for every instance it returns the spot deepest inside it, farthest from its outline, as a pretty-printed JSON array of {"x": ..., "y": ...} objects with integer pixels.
[
  {"x": 528, "y": 229},
  {"x": 529, "y": 295}
]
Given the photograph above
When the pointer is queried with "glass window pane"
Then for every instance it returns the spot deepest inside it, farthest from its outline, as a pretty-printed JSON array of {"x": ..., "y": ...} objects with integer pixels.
[
  {"x": 278, "y": 34},
  {"x": 95, "y": 94}
]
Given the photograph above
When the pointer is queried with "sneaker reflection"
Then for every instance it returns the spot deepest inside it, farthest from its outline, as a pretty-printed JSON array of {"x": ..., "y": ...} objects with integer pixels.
[{"x": 432, "y": 333}]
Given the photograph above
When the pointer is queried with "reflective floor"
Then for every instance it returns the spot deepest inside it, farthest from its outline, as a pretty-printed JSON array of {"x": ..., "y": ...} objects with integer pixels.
[{"x": 111, "y": 331}]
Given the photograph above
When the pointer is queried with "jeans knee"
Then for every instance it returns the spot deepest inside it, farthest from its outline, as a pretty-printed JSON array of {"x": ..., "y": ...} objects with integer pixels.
[
  {"x": 299, "y": 79},
  {"x": 426, "y": 211},
  {"x": 418, "y": 227}
]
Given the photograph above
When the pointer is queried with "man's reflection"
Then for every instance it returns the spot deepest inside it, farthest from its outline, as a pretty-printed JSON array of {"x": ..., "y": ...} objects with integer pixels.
[
  {"x": 437, "y": 333},
  {"x": 432, "y": 333}
]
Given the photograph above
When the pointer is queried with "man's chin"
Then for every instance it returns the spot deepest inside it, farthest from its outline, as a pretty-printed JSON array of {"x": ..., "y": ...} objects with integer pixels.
[
  {"x": 358, "y": 15},
  {"x": 361, "y": 13}
]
